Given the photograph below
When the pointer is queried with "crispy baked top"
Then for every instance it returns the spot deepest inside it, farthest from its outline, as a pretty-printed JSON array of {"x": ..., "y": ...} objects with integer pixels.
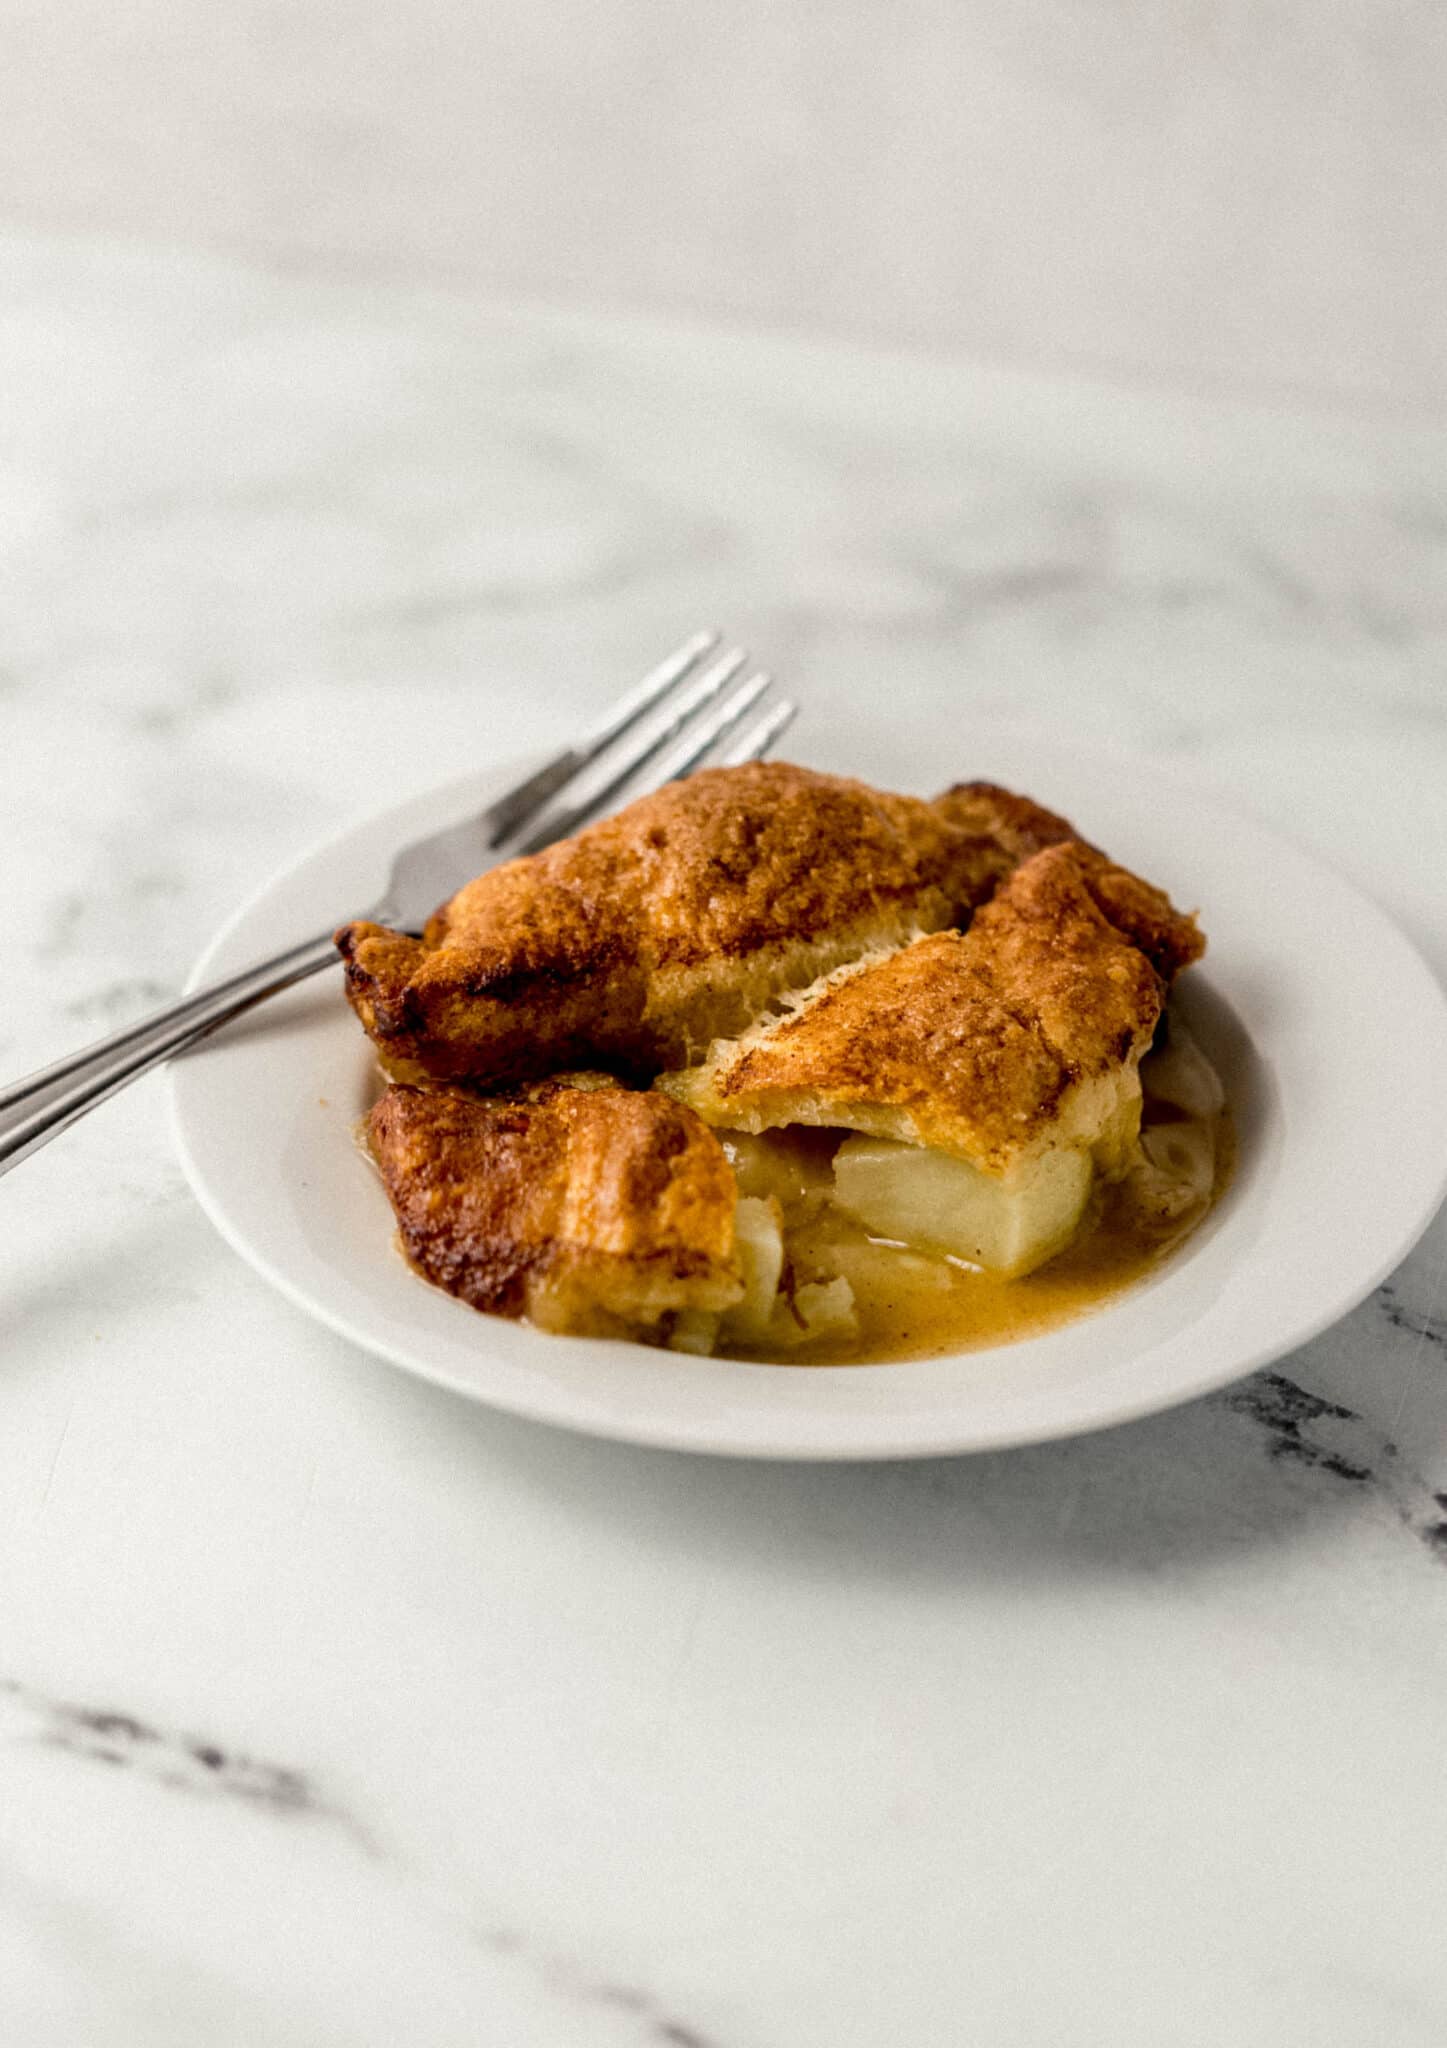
[
  {"x": 687, "y": 915},
  {"x": 976, "y": 1042},
  {"x": 648, "y": 934},
  {"x": 570, "y": 1198},
  {"x": 720, "y": 864},
  {"x": 1016, "y": 824},
  {"x": 1170, "y": 938}
]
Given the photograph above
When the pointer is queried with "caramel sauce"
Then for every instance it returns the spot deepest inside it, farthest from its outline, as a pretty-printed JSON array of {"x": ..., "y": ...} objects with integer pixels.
[{"x": 911, "y": 1303}]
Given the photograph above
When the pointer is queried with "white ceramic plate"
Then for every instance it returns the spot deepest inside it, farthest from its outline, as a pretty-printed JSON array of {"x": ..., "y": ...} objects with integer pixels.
[{"x": 1330, "y": 1032}]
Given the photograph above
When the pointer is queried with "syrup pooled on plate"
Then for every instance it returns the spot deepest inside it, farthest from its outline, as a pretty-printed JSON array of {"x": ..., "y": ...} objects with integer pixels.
[{"x": 906, "y": 1303}]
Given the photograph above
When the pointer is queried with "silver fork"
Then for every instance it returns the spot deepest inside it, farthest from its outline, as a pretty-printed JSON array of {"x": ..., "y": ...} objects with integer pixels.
[{"x": 688, "y": 712}]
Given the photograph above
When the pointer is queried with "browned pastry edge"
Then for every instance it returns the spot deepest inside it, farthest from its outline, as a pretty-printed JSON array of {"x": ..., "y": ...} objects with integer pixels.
[
  {"x": 976, "y": 1042},
  {"x": 650, "y": 933},
  {"x": 687, "y": 915},
  {"x": 1171, "y": 939},
  {"x": 1017, "y": 824},
  {"x": 585, "y": 1207}
]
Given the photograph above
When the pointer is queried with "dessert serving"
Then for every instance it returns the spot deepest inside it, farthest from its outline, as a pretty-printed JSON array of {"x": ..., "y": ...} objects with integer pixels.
[{"x": 777, "y": 1065}]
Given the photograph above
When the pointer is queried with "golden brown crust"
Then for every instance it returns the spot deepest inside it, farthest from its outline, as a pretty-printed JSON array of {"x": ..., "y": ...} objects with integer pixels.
[
  {"x": 677, "y": 920},
  {"x": 584, "y": 1207},
  {"x": 685, "y": 917},
  {"x": 1170, "y": 938},
  {"x": 1016, "y": 824},
  {"x": 679, "y": 927},
  {"x": 985, "y": 1043},
  {"x": 1049, "y": 947}
]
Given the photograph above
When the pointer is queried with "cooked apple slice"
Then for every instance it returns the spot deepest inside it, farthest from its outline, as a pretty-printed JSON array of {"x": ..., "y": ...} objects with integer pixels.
[
  {"x": 929, "y": 1199},
  {"x": 759, "y": 1249}
]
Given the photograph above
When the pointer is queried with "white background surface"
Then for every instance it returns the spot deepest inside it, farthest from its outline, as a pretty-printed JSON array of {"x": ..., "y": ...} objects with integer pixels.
[
  {"x": 334, "y": 1714},
  {"x": 1242, "y": 193}
]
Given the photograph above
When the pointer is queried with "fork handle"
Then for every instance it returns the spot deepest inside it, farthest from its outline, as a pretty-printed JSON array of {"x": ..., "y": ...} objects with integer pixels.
[{"x": 33, "y": 1110}]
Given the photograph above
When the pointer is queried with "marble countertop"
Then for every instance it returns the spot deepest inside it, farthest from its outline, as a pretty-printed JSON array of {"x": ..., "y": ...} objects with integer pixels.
[
  {"x": 1235, "y": 195},
  {"x": 337, "y": 1714}
]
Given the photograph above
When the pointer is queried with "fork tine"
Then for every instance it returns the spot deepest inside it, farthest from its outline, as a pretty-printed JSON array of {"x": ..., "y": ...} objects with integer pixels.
[
  {"x": 756, "y": 742},
  {"x": 700, "y": 738},
  {"x": 698, "y": 746},
  {"x": 561, "y": 819},
  {"x": 513, "y": 811},
  {"x": 632, "y": 705}
]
